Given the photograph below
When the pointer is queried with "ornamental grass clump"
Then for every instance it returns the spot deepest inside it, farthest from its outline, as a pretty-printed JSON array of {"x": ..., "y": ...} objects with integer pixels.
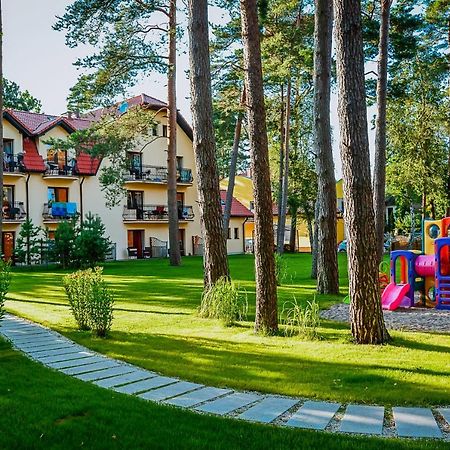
[
  {"x": 302, "y": 321},
  {"x": 225, "y": 302},
  {"x": 280, "y": 269},
  {"x": 5, "y": 279},
  {"x": 90, "y": 300}
]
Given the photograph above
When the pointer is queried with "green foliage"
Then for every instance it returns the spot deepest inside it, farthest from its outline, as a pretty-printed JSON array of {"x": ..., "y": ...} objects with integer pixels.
[
  {"x": 91, "y": 245},
  {"x": 224, "y": 301},
  {"x": 63, "y": 249},
  {"x": 14, "y": 98},
  {"x": 28, "y": 246},
  {"x": 301, "y": 320},
  {"x": 90, "y": 300},
  {"x": 280, "y": 269},
  {"x": 5, "y": 279}
]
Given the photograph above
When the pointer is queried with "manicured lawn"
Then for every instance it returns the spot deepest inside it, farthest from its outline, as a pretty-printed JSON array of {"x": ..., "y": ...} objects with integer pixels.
[
  {"x": 43, "y": 409},
  {"x": 156, "y": 327}
]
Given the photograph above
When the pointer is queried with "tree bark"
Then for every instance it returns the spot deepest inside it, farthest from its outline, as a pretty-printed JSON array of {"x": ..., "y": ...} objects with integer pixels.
[
  {"x": 266, "y": 319},
  {"x": 172, "y": 206},
  {"x": 282, "y": 217},
  {"x": 281, "y": 166},
  {"x": 366, "y": 316},
  {"x": 293, "y": 234},
  {"x": 379, "y": 175},
  {"x": 233, "y": 164},
  {"x": 215, "y": 259},
  {"x": 315, "y": 244},
  {"x": 327, "y": 265},
  {"x": 1, "y": 124}
]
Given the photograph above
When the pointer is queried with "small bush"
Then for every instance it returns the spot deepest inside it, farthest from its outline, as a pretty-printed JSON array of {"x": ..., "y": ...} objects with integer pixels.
[
  {"x": 90, "y": 300},
  {"x": 78, "y": 286},
  {"x": 224, "y": 301},
  {"x": 302, "y": 321},
  {"x": 5, "y": 278},
  {"x": 280, "y": 269},
  {"x": 100, "y": 305}
]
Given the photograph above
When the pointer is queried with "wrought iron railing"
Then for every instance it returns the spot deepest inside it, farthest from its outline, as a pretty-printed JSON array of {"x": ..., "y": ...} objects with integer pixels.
[
  {"x": 156, "y": 174},
  {"x": 59, "y": 211},
  {"x": 55, "y": 169},
  {"x": 13, "y": 164},
  {"x": 12, "y": 211},
  {"x": 155, "y": 213}
]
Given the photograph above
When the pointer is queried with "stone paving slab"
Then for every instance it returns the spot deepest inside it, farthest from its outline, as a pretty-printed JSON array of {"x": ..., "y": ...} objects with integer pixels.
[
  {"x": 31, "y": 337},
  {"x": 84, "y": 361},
  {"x": 172, "y": 390},
  {"x": 268, "y": 410},
  {"x": 314, "y": 415},
  {"x": 64, "y": 357},
  {"x": 228, "y": 404},
  {"x": 416, "y": 422},
  {"x": 363, "y": 419},
  {"x": 106, "y": 364},
  {"x": 445, "y": 412},
  {"x": 36, "y": 345},
  {"x": 31, "y": 341},
  {"x": 136, "y": 375},
  {"x": 194, "y": 398},
  {"x": 44, "y": 353},
  {"x": 145, "y": 385},
  {"x": 42, "y": 348},
  {"x": 106, "y": 373},
  {"x": 15, "y": 334}
]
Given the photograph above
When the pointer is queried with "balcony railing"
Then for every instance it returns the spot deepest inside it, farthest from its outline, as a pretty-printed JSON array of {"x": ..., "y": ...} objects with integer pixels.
[
  {"x": 13, "y": 211},
  {"x": 13, "y": 164},
  {"x": 156, "y": 174},
  {"x": 59, "y": 211},
  {"x": 55, "y": 169},
  {"x": 155, "y": 213}
]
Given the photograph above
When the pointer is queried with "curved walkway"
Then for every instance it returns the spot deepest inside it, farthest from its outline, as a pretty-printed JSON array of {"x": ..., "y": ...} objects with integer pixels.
[{"x": 57, "y": 352}]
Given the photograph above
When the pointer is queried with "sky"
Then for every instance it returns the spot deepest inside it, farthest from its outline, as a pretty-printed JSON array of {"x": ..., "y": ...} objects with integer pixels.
[{"x": 36, "y": 57}]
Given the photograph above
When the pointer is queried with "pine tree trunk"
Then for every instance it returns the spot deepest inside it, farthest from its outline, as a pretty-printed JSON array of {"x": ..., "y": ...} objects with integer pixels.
[
  {"x": 366, "y": 316},
  {"x": 293, "y": 234},
  {"x": 233, "y": 164},
  {"x": 266, "y": 320},
  {"x": 282, "y": 216},
  {"x": 281, "y": 166},
  {"x": 315, "y": 244},
  {"x": 215, "y": 251},
  {"x": 174, "y": 245},
  {"x": 379, "y": 175},
  {"x": 1, "y": 124},
  {"x": 327, "y": 266}
]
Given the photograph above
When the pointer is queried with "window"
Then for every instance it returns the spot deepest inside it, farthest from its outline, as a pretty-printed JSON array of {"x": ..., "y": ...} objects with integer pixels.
[
  {"x": 57, "y": 194},
  {"x": 57, "y": 159},
  {"x": 236, "y": 233},
  {"x": 8, "y": 148},
  {"x": 154, "y": 130},
  {"x": 8, "y": 195},
  {"x": 252, "y": 205},
  {"x": 135, "y": 199},
  {"x": 229, "y": 233},
  {"x": 164, "y": 130},
  {"x": 179, "y": 162}
]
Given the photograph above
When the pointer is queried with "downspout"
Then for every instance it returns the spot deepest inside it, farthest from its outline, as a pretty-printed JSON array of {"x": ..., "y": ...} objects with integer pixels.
[
  {"x": 27, "y": 199},
  {"x": 81, "y": 201},
  {"x": 243, "y": 234}
]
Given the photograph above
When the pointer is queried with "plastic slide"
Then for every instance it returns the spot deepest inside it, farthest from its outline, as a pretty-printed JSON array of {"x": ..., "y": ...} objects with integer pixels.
[{"x": 393, "y": 295}]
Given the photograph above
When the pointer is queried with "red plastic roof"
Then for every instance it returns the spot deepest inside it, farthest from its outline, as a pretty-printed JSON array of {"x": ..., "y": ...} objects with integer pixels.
[
  {"x": 86, "y": 165},
  {"x": 32, "y": 160},
  {"x": 237, "y": 208}
]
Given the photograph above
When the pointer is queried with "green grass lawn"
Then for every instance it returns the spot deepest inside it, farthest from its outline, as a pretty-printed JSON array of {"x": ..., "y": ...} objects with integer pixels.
[
  {"x": 44, "y": 409},
  {"x": 156, "y": 327}
]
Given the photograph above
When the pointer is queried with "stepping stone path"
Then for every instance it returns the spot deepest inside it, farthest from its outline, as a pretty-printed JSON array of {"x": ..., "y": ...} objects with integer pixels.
[{"x": 59, "y": 353}]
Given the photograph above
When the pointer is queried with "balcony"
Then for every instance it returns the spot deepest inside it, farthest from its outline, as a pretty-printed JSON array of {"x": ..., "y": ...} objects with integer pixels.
[
  {"x": 62, "y": 171},
  {"x": 13, "y": 212},
  {"x": 57, "y": 211},
  {"x": 155, "y": 213},
  {"x": 13, "y": 165},
  {"x": 156, "y": 174}
]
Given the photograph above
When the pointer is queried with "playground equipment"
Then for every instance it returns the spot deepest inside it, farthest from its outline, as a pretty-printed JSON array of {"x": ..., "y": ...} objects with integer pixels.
[{"x": 426, "y": 272}]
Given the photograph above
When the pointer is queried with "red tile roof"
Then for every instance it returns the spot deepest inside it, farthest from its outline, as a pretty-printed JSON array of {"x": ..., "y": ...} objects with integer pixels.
[
  {"x": 86, "y": 164},
  {"x": 32, "y": 160},
  {"x": 237, "y": 208}
]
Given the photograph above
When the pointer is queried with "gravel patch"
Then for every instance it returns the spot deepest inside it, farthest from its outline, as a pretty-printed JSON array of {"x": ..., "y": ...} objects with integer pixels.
[{"x": 410, "y": 319}]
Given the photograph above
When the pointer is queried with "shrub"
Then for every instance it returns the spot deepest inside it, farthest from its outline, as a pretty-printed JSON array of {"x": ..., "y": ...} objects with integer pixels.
[
  {"x": 78, "y": 286},
  {"x": 90, "y": 300},
  {"x": 64, "y": 245},
  {"x": 302, "y": 321},
  {"x": 280, "y": 269},
  {"x": 29, "y": 243},
  {"x": 100, "y": 305},
  {"x": 224, "y": 301},
  {"x": 5, "y": 278}
]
